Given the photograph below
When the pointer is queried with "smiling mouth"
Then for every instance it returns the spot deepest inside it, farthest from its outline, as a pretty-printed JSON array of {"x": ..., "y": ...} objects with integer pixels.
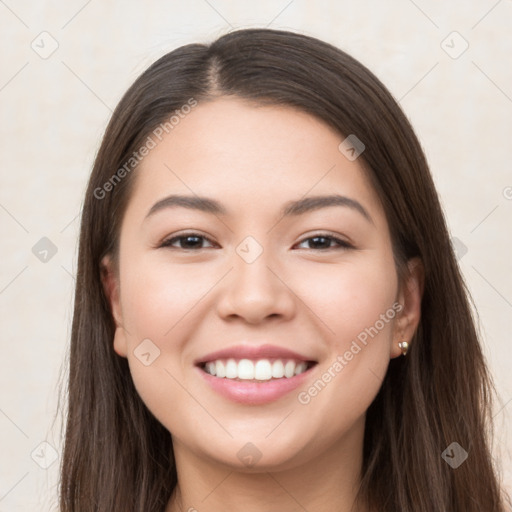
[{"x": 260, "y": 370}]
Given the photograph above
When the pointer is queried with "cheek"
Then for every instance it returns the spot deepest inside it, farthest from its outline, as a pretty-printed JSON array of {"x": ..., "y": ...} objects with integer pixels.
[
  {"x": 160, "y": 304},
  {"x": 355, "y": 306},
  {"x": 159, "y": 298},
  {"x": 350, "y": 298},
  {"x": 362, "y": 317}
]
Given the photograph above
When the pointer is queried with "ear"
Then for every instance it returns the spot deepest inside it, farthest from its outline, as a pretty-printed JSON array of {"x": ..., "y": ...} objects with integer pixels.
[
  {"x": 409, "y": 296},
  {"x": 110, "y": 282}
]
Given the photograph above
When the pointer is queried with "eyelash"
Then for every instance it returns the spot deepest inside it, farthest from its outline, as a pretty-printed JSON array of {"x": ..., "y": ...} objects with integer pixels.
[{"x": 342, "y": 243}]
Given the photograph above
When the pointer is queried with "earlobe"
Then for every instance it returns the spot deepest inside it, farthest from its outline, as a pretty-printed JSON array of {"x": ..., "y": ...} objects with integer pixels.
[
  {"x": 410, "y": 297},
  {"x": 110, "y": 284},
  {"x": 120, "y": 344}
]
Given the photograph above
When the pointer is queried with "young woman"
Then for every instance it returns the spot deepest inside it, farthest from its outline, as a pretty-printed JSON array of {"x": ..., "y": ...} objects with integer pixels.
[{"x": 269, "y": 315}]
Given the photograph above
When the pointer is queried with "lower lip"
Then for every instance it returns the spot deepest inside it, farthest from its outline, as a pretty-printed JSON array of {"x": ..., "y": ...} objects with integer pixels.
[{"x": 255, "y": 393}]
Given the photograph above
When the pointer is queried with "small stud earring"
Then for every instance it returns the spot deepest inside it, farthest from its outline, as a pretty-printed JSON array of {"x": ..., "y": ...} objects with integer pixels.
[{"x": 404, "y": 346}]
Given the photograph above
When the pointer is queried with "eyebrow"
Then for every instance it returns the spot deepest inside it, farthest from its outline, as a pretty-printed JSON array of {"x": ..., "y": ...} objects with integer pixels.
[{"x": 291, "y": 208}]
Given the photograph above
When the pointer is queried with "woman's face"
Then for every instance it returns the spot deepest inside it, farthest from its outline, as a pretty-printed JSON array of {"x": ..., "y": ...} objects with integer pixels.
[{"x": 264, "y": 285}]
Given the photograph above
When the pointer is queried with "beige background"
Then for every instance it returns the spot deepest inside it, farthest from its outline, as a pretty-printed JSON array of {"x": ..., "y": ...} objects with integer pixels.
[{"x": 54, "y": 110}]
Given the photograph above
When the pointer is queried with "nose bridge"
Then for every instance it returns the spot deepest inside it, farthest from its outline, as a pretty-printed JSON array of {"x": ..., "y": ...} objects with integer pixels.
[
  {"x": 254, "y": 290},
  {"x": 252, "y": 272}
]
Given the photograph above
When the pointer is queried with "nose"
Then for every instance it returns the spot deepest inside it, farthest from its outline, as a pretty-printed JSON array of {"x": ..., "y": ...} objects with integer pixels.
[{"x": 255, "y": 291}]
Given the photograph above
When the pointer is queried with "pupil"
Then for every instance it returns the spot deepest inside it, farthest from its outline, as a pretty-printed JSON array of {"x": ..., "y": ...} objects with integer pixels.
[
  {"x": 316, "y": 238},
  {"x": 196, "y": 238}
]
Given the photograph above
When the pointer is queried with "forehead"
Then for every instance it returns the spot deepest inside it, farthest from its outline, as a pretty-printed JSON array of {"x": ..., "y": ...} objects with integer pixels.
[{"x": 251, "y": 157}]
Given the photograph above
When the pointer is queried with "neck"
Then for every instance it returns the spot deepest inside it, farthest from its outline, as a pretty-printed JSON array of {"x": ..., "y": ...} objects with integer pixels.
[{"x": 323, "y": 484}]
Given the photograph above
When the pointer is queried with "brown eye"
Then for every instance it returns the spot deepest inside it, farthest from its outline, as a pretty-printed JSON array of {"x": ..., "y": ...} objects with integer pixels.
[
  {"x": 323, "y": 242},
  {"x": 188, "y": 241}
]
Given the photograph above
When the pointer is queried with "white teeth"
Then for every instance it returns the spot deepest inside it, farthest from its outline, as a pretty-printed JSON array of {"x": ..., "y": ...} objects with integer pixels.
[
  {"x": 246, "y": 369},
  {"x": 277, "y": 369},
  {"x": 231, "y": 369},
  {"x": 300, "y": 368},
  {"x": 211, "y": 368},
  {"x": 289, "y": 369},
  {"x": 220, "y": 369},
  {"x": 262, "y": 369}
]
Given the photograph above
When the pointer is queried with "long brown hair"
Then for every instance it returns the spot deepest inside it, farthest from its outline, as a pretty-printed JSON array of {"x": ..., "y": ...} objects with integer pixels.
[{"x": 118, "y": 458}]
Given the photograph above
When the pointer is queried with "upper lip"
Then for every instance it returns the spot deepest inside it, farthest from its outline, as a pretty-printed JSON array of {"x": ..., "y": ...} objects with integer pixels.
[{"x": 252, "y": 352}]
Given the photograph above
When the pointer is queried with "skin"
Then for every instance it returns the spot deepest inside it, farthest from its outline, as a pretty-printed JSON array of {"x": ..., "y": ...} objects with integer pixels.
[{"x": 296, "y": 294}]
